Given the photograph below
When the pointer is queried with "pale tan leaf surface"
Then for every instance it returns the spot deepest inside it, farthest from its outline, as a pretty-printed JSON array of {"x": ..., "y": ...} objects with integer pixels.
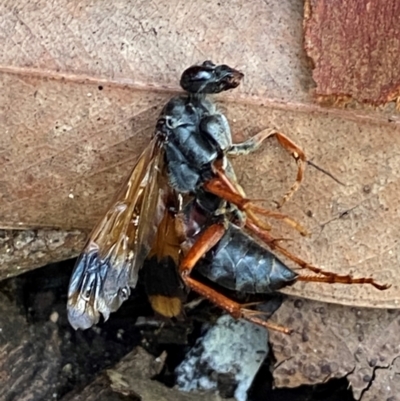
[
  {"x": 81, "y": 86},
  {"x": 144, "y": 43},
  {"x": 69, "y": 148},
  {"x": 336, "y": 341}
]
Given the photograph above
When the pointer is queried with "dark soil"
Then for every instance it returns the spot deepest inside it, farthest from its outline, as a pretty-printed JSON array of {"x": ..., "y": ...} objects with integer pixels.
[{"x": 50, "y": 359}]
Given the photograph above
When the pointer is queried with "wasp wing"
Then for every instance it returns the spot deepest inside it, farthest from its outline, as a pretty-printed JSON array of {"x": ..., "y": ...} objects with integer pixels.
[
  {"x": 166, "y": 294},
  {"x": 120, "y": 242}
]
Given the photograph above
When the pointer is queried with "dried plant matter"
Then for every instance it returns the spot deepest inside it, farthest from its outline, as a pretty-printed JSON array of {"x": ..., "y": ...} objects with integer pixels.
[
  {"x": 332, "y": 341},
  {"x": 82, "y": 88},
  {"x": 79, "y": 108}
]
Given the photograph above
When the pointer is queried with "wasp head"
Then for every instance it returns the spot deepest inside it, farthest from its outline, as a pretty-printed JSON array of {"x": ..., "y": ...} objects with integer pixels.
[{"x": 210, "y": 78}]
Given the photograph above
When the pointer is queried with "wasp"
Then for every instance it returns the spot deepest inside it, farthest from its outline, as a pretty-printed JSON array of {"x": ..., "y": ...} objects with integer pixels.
[{"x": 180, "y": 209}]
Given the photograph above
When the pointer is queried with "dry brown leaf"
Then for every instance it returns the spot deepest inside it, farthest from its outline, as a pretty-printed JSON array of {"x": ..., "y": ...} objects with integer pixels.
[
  {"x": 82, "y": 86},
  {"x": 386, "y": 384},
  {"x": 335, "y": 341}
]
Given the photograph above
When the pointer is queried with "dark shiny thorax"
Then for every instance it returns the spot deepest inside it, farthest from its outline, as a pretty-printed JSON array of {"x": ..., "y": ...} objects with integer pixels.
[{"x": 195, "y": 136}]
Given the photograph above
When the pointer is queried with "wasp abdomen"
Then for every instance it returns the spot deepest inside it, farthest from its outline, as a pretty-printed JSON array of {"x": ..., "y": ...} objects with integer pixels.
[{"x": 239, "y": 263}]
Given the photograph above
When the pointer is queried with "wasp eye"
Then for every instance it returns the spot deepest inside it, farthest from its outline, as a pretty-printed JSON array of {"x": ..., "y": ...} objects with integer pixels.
[
  {"x": 208, "y": 63},
  {"x": 124, "y": 293},
  {"x": 161, "y": 125},
  {"x": 161, "y": 122}
]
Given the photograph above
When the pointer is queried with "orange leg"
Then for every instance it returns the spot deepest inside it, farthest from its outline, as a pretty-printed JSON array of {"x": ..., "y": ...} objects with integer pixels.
[
  {"x": 323, "y": 276},
  {"x": 251, "y": 144},
  {"x": 342, "y": 279},
  {"x": 225, "y": 185},
  {"x": 225, "y": 189},
  {"x": 235, "y": 309},
  {"x": 208, "y": 239},
  {"x": 297, "y": 153}
]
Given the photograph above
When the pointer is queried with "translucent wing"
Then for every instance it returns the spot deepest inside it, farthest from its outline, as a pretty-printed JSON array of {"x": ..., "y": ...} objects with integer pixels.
[
  {"x": 161, "y": 268},
  {"x": 120, "y": 242}
]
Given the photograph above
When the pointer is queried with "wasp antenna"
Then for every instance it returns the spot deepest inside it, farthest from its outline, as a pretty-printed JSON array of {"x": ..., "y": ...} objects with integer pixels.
[{"x": 322, "y": 170}]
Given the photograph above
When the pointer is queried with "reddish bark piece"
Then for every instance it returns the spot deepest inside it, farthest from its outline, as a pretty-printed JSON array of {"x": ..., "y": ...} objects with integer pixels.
[{"x": 354, "y": 46}]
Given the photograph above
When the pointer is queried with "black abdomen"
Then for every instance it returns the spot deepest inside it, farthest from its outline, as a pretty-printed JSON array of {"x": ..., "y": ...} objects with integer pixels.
[{"x": 239, "y": 263}]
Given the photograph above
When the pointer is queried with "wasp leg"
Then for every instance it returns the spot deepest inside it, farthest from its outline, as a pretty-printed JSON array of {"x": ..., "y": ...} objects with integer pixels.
[
  {"x": 251, "y": 144},
  {"x": 209, "y": 238},
  {"x": 232, "y": 192},
  {"x": 343, "y": 279},
  {"x": 323, "y": 276},
  {"x": 225, "y": 189},
  {"x": 300, "y": 158},
  {"x": 297, "y": 153},
  {"x": 235, "y": 309}
]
